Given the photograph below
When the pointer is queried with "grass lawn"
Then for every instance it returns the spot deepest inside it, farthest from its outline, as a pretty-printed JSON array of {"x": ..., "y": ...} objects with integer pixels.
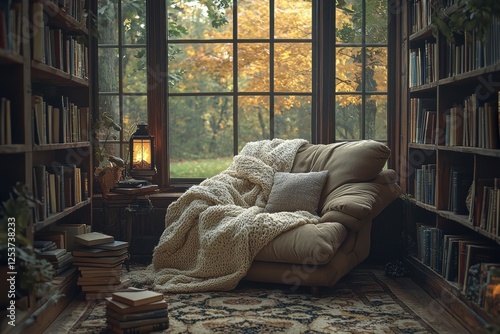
[{"x": 201, "y": 168}]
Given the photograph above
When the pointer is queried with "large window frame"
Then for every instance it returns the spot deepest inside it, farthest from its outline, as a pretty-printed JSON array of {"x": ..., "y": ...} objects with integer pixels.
[{"x": 323, "y": 113}]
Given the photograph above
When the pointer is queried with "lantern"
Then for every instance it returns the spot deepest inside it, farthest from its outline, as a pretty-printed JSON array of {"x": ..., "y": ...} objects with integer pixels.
[{"x": 142, "y": 153}]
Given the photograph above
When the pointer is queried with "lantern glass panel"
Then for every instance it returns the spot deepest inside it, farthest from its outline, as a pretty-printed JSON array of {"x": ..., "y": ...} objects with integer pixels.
[{"x": 141, "y": 154}]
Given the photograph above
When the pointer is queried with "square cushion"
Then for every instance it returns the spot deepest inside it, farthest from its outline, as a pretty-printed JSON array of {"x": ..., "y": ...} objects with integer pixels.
[{"x": 296, "y": 191}]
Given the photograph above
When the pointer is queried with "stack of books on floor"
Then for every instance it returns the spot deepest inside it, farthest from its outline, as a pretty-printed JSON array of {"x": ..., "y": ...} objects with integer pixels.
[
  {"x": 100, "y": 260},
  {"x": 136, "y": 311}
]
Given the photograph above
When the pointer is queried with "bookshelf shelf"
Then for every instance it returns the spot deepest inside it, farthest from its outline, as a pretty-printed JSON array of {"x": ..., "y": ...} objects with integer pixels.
[
  {"x": 428, "y": 207},
  {"x": 8, "y": 57},
  {"x": 65, "y": 146},
  {"x": 452, "y": 102},
  {"x": 422, "y": 34},
  {"x": 450, "y": 295},
  {"x": 59, "y": 18},
  {"x": 14, "y": 148},
  {"x": 59, "y": 215},
  {"x": 43, "y": 73},
  {"x": 429, "y": 147},
  {"x": 471, "y": 150}
]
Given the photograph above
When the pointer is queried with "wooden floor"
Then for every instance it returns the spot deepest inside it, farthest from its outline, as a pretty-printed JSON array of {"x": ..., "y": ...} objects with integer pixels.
[{"x": 405, "y": 289}]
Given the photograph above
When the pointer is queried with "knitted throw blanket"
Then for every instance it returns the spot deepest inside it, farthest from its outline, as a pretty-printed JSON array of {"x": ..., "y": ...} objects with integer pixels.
[{"x": 215, "y": 229}]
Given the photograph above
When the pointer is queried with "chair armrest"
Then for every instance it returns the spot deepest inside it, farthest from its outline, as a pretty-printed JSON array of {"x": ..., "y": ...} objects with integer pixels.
[{"x": 362, "y": 200}]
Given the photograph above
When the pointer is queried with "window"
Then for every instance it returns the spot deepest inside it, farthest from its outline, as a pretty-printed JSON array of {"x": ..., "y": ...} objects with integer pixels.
[
  {"x": 122, "y": 72},
  {"x": 223, "y": 73}
]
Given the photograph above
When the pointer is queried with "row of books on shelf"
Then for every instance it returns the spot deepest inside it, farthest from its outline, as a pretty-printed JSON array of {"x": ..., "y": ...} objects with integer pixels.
[
  {"x": 485, "y": 211},
  {"x": 469, "y": 52},
  {"x": 463, "y": 55},
  {"x": 10, "y": 26},
  {"x": 421, "y": 13},
  {"x": 57, "y": 187},
  {"x": 73, "y": 8},
  {"x": 472, "y": 124},
  {"x": 459, "y": 184},
  {"x": 55, "y": 48},
  {"x": 473, "y": 264},
  {"x": 56, "y": 243},
  {"x": 423, "y": 65},
  {"x": 5, "y": 121},
  {"x": 63, "y": 122},
  {"x": 425, "y": 184}
]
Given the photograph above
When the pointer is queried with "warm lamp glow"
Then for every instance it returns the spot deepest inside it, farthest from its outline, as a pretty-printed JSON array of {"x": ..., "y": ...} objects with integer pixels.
[
  {"x": 496, "y": 291},
  {"x": 142, "y": 154}
]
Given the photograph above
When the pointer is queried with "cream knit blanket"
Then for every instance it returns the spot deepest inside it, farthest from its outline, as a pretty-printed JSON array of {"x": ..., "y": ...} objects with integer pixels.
[{"x": 215, "y": 229}]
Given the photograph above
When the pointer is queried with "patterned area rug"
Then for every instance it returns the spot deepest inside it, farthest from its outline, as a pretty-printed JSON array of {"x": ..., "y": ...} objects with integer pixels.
[{"x": 359, "y": 303}]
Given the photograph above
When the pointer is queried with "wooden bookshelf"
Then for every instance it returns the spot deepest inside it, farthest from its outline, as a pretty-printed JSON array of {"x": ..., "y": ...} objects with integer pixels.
[
  {"x": 24, "y": 77},
  {"x": 465, "y": 148}
]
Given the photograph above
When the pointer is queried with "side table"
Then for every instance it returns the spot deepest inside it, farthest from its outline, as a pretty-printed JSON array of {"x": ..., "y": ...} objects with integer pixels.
[{"x": 120, "y": 208}]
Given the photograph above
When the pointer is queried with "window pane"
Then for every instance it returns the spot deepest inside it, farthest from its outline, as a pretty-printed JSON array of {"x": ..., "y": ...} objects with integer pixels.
[
  {"x": 253, "y": 19},
  {"x": 348, "y": 24},
  {"x": 201, "y": 135},
  {"x": 191, "y": 19},
  {"x": 376, "y": 117},
  {"x": 293, "y": 19},
  {"x": 348, "y": 69},
  {"x": 134, "y": 70},
  {"x": 134, "y": 112},
  {"x": 376, "y": 21},
  {"x": 108, "y": 70},
  {"x": 202, "y": 68},
  {"x": 253, "y": 119},
  {"x": 111, "y": 106},
  {"x": 108, "y": 21},
  {"x": 376, "y": 69},
  {"x": 253, "y": 67},
  {"x": 134, "y": 22},
  {"x": 348, "y": 117},
  {"x": 293, "y": 67},
  {"x": 292, "y": 118}
]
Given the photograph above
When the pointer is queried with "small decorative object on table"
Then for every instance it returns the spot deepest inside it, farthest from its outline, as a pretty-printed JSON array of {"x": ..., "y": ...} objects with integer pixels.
[{"x": 110, "y": 167}]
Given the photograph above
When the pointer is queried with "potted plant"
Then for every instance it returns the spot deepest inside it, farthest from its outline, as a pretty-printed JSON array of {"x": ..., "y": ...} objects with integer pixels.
[
  {"x": 110, "y": 167},
  {"x": 465, "y": 16}
]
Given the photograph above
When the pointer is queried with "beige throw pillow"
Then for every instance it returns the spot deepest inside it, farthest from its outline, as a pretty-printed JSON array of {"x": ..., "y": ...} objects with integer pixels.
[{"x": 296, "y": 191}]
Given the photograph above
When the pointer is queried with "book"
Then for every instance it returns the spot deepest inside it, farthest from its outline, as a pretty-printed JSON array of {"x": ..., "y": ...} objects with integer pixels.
[
  {"x": 122, "y": 308},
  {"x": 136, "y": 297},
  {"x": 53, "y": 255},
  {"x": 135, "y": 323},
  {"x": 93, "y": 238},
  {"x": 141, "y": 329},
  {"x": 159, "y": 313},
  {"x": 101, "y": 260},
  {"x": 72, "y": 230},
  {"x": 98, "y": 252},
  {"x": 38, "y": 34},
  {"x": 478, "y": 254},
  {"x": 98, "y": 280},
  {"x": 115, "y": 245}
]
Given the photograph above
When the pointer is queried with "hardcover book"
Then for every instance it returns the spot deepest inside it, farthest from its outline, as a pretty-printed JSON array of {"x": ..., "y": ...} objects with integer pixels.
[
  {"x": 136, "y": 297},
  {"x": 93, "y": 238},
  {"x": 122, "y": 308}
]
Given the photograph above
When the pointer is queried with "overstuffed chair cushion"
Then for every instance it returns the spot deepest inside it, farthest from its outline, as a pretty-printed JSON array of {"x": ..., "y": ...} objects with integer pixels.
[{"x": 311, "y": 244}]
